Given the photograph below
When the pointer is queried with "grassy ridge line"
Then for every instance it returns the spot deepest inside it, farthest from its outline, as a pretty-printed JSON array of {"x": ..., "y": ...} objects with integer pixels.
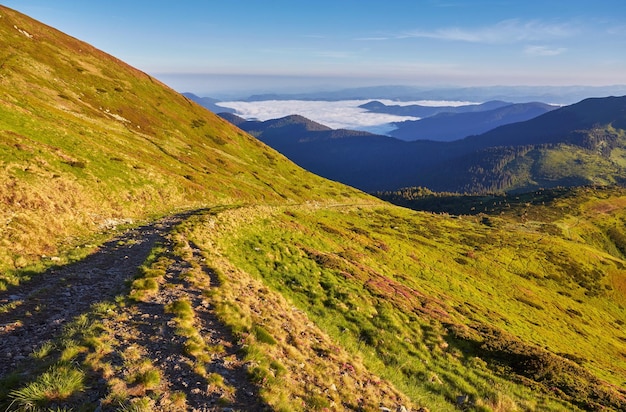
[
  {"x": 86, "y": 139},
  {"x": 400, "y": 288}
]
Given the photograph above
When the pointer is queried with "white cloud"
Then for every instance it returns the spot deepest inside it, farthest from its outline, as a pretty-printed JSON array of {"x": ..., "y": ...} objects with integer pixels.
[
  {"x": 617, "y": 30},
  {"x": 343, "y": 114},
  {"x": 380, "y": 38},
  {"x": 334, "y": 54},
  {"x": 504, "y": 32},
  {"x": 544, "y": 50}
]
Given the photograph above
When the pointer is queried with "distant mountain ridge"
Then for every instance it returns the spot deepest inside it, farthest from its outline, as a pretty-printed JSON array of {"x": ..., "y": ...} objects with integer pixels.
[
  {"x": 560, "y": 124},
  {"x": 573, "y": 145},
  {"x": 419, "y": 110},
  {"x": 209, "y": 103},
  {"x": 449, "y": 126},
  {"x": 294, "y": 125},
  {"x": 448, "y": 123},
  {"x": 513, "y": 94}
]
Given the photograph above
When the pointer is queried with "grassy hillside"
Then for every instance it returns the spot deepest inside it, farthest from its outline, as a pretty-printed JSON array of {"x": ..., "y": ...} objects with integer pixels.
[
  {"x": 446, "y": 307},
  {"x": 87, "y": 141},
  {"x": 154, "y": 257}
]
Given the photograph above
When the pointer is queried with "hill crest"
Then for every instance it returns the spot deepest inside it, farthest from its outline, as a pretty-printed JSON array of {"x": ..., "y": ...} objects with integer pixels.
[{"x": 101, "y": 140}]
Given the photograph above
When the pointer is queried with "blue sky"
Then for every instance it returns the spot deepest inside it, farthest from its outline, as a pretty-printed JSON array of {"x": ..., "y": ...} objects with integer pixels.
[{"x": 349, "y": 43}]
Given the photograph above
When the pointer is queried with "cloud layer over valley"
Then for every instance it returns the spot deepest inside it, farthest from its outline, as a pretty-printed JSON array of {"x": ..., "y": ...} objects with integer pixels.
[{"x": 344, "y": 114}]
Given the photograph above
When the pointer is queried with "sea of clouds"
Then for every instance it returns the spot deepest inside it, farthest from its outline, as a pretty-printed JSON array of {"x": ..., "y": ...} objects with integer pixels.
[{"x": 343, "y": 114}]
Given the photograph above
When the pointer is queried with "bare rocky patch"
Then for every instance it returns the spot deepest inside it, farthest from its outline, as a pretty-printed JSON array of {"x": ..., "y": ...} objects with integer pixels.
[{"x": 207, "y": 369}]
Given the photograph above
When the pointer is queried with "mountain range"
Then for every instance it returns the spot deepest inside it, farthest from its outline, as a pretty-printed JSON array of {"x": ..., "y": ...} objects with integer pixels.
[
  {"x": 155, "y": 257},
  {"x": 515, "y": 94},
  {"x": 418, "y": 110},
  {"x": 574, "y": 145},
  {"x": 447, "y": 124}
]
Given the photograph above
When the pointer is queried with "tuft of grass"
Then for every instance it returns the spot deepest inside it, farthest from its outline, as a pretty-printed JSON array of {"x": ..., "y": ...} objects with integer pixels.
[
  {"x": 144, "y": 404},
  {"x": 262, "y": 335},
  {"x": 178, "y": 400},
  {"x": 217, "y": 383},
  {"x": 44, "y": 350},
  {"x": 194, "y": 344},
  {"x": 143, "y": 288},
  {"x": 150, "y": 378},
  {"x": 181, "y": 309},
  {"x": 57, "y": 384},
  {"x": 71, "y": 349},
  {"x": 8, "y": 307}
]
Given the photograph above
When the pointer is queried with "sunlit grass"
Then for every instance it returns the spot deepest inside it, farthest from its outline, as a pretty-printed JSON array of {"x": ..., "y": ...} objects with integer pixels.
[
  {"x": 340, "y": 274},
  {"x": 86, "y": 141},
  {"x": 57, "y": 384}
]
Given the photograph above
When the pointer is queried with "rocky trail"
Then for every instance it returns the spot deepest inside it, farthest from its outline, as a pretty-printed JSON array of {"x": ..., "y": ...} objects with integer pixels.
[
  {"x": 37, "y": 311},
  {"x": 49, "y": 300},
  {"x": 152, "y": 329}
]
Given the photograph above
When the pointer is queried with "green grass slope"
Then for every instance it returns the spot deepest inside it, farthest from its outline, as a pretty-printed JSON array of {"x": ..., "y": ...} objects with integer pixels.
[
  {"x": 518, "y": 312},
  {"x": 332, "y": 300},
  {"x": 87, "y": 141}
]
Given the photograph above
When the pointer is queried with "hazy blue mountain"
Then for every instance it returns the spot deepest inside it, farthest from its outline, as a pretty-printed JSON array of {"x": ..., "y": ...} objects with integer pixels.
[
  {"x": 343, "y": 155},
  {"x": 294, "y": 125},
  {"x": 209, "y": 103},
  {"x": 449, "y": 126},
  {"x": 513, "y": 94},
  {"x": 584, "y": 143},
  {"x": 566, "y": 124},
  {"x": 417, "y": 110}
]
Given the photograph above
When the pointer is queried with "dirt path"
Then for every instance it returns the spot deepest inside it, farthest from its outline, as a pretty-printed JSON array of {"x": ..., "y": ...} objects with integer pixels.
[
  {"x": 60, "y": 294},
  {"x": 57, "y": 296},
  {"x": 151, "y": 329}
]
